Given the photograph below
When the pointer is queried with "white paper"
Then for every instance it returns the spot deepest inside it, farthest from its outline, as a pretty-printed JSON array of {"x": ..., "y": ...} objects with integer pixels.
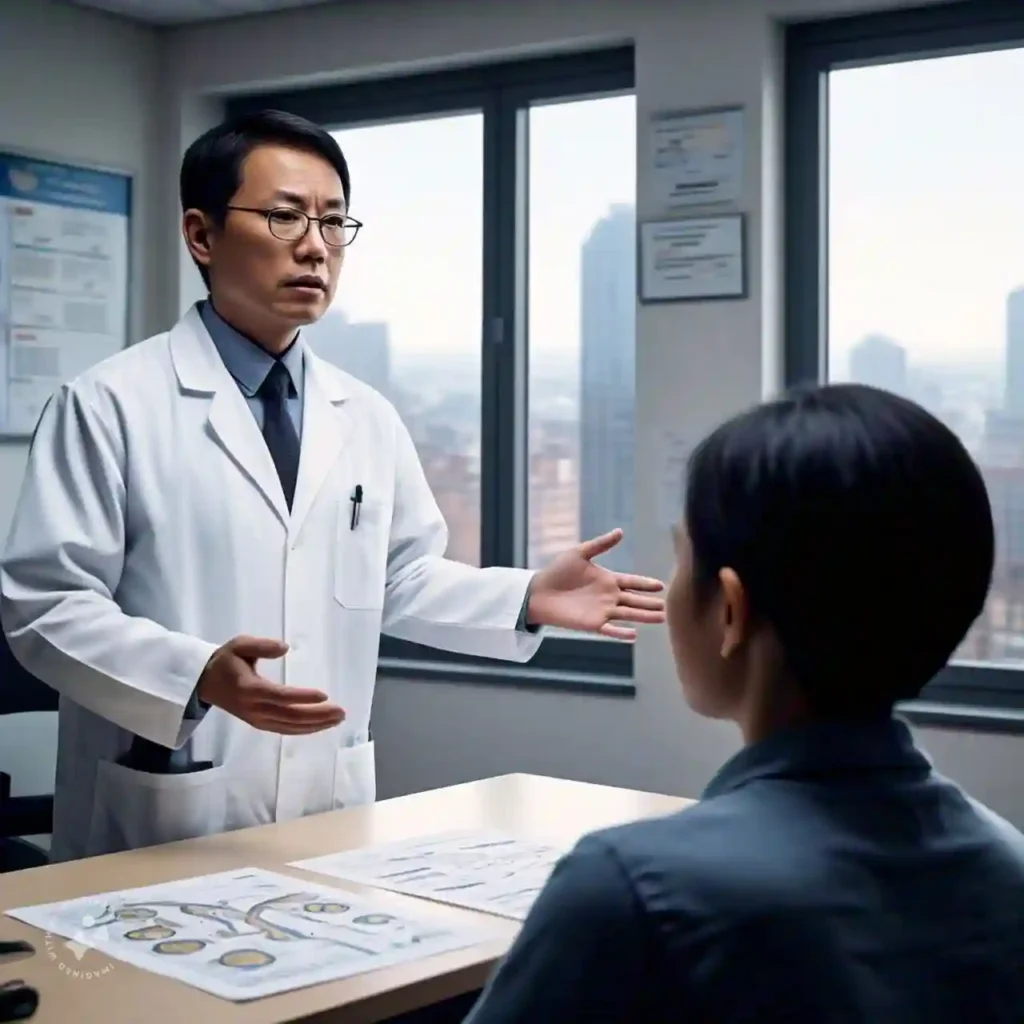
[
  {"x": 673, "y": 454},
  {"x": 695, "y": 158},
  {"x": 485, "y": 871},
  {"x": 245, "y": 934},
  {"x": 31, "y": 307},
  {"x": 694, "y": 258}
]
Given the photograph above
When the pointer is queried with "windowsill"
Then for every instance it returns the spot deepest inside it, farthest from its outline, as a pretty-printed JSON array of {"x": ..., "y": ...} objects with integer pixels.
[
  {"x": 516, "y": 676},
  {"x": 522, "y": 677},
  {"x": 963, "y": 717}
]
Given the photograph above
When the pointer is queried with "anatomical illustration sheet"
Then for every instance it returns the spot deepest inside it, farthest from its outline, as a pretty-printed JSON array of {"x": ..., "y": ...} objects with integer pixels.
[
  {"x": 495, "y": 873},
  {"x": 248, "y": 933}
]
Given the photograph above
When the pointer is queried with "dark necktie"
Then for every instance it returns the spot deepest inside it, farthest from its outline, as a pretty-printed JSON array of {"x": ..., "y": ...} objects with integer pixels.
[{"x": 278, "y": 429}]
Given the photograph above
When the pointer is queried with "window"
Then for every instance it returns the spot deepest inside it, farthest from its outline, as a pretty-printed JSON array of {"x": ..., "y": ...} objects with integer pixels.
[
  {"x": 582, "y": 324},
  {"x": 395, "y": 323},
  {"x": 491, "y": 297},
  {"x": 905, "y": 262}
]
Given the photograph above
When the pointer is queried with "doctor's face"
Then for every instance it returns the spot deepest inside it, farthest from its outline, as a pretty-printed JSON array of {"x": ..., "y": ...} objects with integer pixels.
[{"x": 269, "y": 276}]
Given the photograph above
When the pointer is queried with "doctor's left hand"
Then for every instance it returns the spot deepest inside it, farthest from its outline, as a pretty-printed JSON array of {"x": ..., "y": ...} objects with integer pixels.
[
  {"x": 230, "y": 681},
  {"x": 575, "y": 593}
]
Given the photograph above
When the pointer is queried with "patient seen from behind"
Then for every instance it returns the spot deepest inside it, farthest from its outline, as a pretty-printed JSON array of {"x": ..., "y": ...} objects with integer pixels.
[{"x": 836, "y": 548}]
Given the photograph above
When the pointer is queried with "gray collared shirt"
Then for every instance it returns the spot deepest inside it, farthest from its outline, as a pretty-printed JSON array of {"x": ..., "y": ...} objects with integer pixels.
[{"x": 249, "y": 364}]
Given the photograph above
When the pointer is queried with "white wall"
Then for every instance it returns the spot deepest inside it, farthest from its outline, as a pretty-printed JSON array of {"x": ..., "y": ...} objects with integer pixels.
[
  {"x": 695, "y": 363},
  {"x": 77, "y": 85}
]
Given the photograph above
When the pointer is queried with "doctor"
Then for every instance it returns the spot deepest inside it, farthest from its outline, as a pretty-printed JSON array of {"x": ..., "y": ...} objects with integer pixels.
[{"x": 215, "y": 526}]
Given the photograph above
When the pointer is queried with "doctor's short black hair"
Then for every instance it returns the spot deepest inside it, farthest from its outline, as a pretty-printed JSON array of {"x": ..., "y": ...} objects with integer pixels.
[
  {"x": 862, "y": 531},
  {"x": 211, "y": 169}
]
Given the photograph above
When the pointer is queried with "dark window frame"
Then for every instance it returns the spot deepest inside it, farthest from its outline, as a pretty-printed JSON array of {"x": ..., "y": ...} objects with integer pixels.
[
  {"x": 969, "y": 695},
  {"x": 502, "y": 92}
]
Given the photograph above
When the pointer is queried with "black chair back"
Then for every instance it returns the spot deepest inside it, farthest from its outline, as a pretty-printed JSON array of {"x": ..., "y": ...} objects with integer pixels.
[{"x": 22, "y": 692}]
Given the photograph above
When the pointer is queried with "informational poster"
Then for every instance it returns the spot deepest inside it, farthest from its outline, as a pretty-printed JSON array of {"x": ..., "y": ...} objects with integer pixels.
[
  {"x": 64, "y": 234},
  {"x": 486, "y": 871},
  {"x": 246, "y": 934}
]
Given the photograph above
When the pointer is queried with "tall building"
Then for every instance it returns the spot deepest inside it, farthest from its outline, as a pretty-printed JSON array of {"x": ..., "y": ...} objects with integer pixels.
[
  {"x": 1014, "y": 401},
  {"x": 1004, "y": 428},
  {"x": 880, "y": 362},
  {"x": 554, "y": 498},
  {"x": 361, "y": 349},
  {"x": 607, "y": 380}
]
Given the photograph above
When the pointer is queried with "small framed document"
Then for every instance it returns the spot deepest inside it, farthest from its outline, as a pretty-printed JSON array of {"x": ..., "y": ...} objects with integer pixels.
[
  {"x": 693, "y": 258},
  {"x": 695, "y": 157}
]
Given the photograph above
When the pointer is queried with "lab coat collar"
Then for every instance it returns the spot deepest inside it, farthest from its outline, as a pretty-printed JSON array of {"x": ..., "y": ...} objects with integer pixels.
[
  {"x": 201, "y": 372},
  {"x": 325, "y": 429},
  {"x": 248, "y": 362},
  {"x": 200, "y": 369}
]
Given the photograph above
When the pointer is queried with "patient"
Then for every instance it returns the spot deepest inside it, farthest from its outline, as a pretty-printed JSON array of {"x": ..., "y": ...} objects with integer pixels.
[{"x": 837, "y": 546}]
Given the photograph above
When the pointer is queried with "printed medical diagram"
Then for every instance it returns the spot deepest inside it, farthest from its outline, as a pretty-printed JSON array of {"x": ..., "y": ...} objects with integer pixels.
[{"x": 248, "y": 933}]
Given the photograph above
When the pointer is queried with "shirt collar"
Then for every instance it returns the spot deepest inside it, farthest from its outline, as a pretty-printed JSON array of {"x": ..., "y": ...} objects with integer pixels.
[
  {"x": 832, "y": 748},
  {"x": 246, "y": 361}
]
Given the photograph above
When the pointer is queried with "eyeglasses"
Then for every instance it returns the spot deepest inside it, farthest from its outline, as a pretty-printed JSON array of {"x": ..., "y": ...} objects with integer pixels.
[{"x": 336, "y": 229}]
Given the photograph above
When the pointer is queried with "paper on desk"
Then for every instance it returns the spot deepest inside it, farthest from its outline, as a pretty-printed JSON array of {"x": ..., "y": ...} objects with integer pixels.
[
  {"x": 486, "y": 871},
  {"x": 673, "y": 452},
  {"x": 244, "y": 934}
]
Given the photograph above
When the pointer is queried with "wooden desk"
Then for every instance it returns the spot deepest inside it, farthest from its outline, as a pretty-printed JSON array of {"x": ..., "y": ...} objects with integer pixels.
[{"x": 524, "y": 805}]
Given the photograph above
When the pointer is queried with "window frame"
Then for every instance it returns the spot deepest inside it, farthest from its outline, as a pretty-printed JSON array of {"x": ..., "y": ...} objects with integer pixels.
[
  {"x": 502, "y": 92},
  {"x": 971, "y": 695}
]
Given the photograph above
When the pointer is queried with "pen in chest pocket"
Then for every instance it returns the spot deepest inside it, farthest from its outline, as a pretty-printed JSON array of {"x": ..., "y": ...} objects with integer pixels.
[{"x": 357, "y": 501}]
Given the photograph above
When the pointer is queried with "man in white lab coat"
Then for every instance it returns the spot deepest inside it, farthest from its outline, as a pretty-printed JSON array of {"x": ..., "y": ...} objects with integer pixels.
[{"x": 215, "y": 526}]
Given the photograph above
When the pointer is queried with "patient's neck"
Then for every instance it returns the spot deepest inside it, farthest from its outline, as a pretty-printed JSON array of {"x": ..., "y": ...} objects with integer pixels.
[{"x": 772, "y": 707}]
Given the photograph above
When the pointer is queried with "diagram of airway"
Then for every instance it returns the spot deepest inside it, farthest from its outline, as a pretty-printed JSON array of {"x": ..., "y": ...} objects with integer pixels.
[{"x": 245, "y": 934}]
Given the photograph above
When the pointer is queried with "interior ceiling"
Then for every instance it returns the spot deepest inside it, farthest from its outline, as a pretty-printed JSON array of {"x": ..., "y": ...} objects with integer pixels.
[{"x": 179, "y": 12}]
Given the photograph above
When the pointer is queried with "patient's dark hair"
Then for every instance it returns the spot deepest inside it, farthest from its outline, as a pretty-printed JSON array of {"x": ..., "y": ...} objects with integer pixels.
[{"x": 862, "y": 531}]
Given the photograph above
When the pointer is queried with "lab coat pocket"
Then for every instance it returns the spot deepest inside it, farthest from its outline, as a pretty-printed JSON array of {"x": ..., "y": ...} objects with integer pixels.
[
  {"x": 355, "y": 776},
  {"x": 361, "y": 557},
  {"x": 132, "y": 809}
]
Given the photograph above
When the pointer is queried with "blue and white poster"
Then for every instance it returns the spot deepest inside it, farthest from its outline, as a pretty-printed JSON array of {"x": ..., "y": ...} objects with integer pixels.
[{"x": 63, "y": 279}]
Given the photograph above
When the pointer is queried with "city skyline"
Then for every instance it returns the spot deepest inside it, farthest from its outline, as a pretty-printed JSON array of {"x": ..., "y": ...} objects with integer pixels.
[
  {"x": 988, "y": 416},
  {"x": 417, "y": 263},
  {"x": 926, "y": 225},
  {"x": 937, "y": 210},
  {"x": 925, "y": 256},
  {"x": 581, "y": 420}
]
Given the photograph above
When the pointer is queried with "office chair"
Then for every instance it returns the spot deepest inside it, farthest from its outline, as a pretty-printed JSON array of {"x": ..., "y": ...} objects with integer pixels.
[{"x": 20, "y": 816}]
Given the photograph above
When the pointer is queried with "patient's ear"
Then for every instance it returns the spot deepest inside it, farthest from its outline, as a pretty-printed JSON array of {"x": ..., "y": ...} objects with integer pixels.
[{"x": 735, "y": 612}]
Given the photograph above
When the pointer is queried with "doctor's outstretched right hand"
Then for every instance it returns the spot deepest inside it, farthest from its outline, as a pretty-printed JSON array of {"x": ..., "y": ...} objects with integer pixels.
[{"x": 230, "y": 681}]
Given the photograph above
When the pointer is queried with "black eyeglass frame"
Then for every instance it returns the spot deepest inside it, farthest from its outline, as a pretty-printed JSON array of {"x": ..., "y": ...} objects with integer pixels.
[{"x": 319, "y": 221}]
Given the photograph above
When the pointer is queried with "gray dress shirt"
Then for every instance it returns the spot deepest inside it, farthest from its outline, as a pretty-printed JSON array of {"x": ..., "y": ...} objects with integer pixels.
[{"x": 249, "y": 364}]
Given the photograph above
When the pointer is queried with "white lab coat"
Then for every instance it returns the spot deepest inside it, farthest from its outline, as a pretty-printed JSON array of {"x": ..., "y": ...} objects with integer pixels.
[{"x": 151, "y": 528}]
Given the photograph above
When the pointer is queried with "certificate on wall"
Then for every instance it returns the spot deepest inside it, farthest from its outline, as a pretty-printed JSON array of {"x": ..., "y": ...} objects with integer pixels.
[
  {"x": 692, "y": 258},
  {"x": 695, "y": 158},
  {"x": 63, "y": 279}
]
